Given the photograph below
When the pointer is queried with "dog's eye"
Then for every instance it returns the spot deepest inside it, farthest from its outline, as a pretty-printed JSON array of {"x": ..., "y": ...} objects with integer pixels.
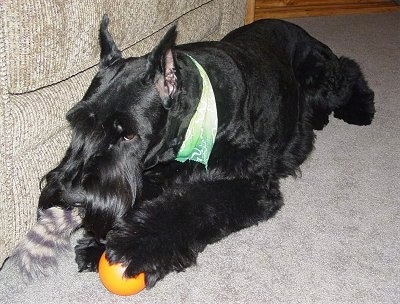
[{"x": 129, "y": 136}]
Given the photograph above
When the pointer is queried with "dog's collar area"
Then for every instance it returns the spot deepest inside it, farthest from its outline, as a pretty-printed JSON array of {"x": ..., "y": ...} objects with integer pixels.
[{"x": 200, "y": 135}]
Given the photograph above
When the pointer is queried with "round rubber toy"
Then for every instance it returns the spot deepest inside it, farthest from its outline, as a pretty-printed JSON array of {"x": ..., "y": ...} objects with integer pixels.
[{"x": 112, "y": 277}]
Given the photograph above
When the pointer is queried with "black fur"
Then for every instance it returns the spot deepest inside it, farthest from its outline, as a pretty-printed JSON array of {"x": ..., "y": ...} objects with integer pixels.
[{"x": 273, "y": 84}]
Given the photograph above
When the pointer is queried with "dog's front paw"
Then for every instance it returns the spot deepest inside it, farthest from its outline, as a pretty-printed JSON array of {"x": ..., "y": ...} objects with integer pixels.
[
  {"x": 87, "y": 254},
  {"x": 135, "y": 252},
  {"x": 151, "y": 250}
]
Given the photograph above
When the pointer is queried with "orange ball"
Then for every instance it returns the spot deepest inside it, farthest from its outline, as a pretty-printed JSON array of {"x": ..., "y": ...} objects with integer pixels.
[{"x": 112, "y": 277}]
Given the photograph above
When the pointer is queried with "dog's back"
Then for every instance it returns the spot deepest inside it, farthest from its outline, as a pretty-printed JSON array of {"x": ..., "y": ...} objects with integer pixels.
[{"x": 329, "y": 83}]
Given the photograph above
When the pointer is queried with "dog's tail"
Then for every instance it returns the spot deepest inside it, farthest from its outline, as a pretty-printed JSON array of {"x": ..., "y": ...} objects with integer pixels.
[
  {"x": 37, "y": 253},
  {"x": 332, "y": 84}
]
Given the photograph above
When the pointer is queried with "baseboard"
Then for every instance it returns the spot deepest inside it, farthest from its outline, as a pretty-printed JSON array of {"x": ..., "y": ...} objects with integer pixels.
[{"x": 260, "y": 9}]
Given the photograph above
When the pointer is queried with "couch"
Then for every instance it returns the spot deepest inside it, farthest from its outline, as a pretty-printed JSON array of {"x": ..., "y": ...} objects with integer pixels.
[{"x": 48, "y": 55}]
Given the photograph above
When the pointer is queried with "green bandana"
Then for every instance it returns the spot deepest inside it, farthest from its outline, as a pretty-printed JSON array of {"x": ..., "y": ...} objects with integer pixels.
[{"x": 200, "y": 135}]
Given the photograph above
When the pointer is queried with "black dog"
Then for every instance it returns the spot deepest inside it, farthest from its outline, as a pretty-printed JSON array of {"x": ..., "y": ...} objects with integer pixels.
[{"x": 155, "y": 188}]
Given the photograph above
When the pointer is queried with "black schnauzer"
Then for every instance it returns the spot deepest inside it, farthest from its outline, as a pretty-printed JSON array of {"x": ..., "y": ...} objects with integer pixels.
[{"x": 179, "y": 148}]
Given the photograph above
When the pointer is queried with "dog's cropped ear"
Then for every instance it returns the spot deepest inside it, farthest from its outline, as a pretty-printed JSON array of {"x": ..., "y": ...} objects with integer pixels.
[
  {"x": 109, "y": 52},
  {"x": 161, "y": 67}
]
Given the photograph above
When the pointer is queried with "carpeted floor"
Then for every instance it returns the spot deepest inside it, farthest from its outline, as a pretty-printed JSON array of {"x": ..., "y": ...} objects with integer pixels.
[{"x": 336, "y": 240}]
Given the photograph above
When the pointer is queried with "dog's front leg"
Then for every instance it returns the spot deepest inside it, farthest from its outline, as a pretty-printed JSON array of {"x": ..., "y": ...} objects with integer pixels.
[
  {"x": 87, "y": 253},
  {"x": 167, "y": 233}
]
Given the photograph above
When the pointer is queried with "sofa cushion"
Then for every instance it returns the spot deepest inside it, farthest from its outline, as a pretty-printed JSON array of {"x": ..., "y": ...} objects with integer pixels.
[{"x": 55, "y": 38}]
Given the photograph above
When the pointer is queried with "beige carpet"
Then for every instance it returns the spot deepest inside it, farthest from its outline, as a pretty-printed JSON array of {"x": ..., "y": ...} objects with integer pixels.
[{"x": 337, "y": 239}]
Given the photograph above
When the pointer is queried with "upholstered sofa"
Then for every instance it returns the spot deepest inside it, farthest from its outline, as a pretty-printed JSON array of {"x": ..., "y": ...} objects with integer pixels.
[{"x": 48, "y": 55}]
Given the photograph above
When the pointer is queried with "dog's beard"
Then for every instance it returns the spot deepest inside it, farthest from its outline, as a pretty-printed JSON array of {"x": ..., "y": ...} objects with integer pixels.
[
  {"x": 110, "y": 190},
  {"x": 104, "y": 186}
]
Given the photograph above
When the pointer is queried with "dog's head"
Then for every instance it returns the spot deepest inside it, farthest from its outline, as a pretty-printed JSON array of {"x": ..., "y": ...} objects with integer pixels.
[{"x": 128, "y": 120}]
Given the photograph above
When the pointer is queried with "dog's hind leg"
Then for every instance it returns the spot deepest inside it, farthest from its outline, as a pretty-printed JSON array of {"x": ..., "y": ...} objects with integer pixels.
[
  {"x": 331, "y": 84},
  {"x": 167, "y": 233},
  {"x": 358, "y": 107}
]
